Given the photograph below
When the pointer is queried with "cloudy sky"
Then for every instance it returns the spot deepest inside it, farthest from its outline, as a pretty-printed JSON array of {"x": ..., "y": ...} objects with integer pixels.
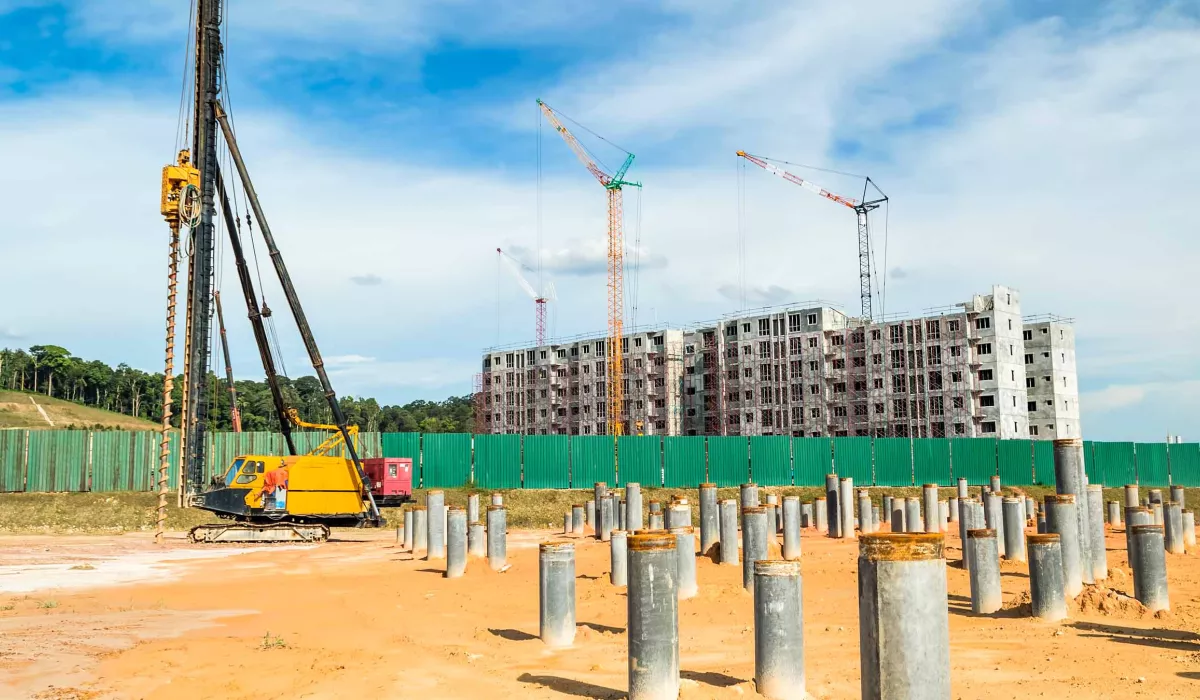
[{"x": 1045, "y": 146}]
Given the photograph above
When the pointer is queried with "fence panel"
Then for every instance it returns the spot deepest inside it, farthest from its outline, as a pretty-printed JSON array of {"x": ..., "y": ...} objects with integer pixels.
[
  {"x": 592, "y": 461},
  {"x": 639, "y": 459},
  {"x": 812, "y": 459},
  {"x": 223, "y": 448},
  {"x": 498, "y": 461},
  {"x": 931, "y": 461},
  {"x": 401, "y": 445},
  {"x": 58, "y": 460},
  {"x": 547, "y": 462},
  {"x": 1113, "y": 463},
  {"x": 1043, "y": 463},
  {"x": 112, "y": 460},
  {"x": 1185, "y": 464},
  {"x": 771, "y": 460},
  {"x": 1016, "y": 462},
  {"x": 12, "y": 460},
  {"x": 728, "y": 460},
  {"x": 852, "y": 458},
  {"x": 1151, "y": 463},
  {"x": 974, "y": 458},
  {"x": 446, "y": 460},
  {"x": 893, "y": 462},
  {"x": 683, "y": 461}
]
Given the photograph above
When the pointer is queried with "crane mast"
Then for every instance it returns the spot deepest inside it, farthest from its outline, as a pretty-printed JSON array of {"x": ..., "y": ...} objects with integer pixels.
[
  {"x": 613, "y": 184},
  {"x": 540, "y": 298},
  {"x": 861, "y": 208}
]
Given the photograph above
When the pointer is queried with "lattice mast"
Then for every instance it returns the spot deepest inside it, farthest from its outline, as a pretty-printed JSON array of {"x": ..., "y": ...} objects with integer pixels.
[
  {"x": 540, "y": 298},
  {"x": 616, "y": 265}
]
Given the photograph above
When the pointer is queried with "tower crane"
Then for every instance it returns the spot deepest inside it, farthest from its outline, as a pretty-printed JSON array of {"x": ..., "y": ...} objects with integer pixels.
[
  {"x": 613, "y": 184},
  {"x": 861, "y": 208},
  {"x": 539, "y": 300}
]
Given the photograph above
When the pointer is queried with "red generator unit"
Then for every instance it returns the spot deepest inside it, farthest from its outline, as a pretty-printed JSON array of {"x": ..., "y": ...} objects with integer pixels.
[{"x": 391, "y": 480}]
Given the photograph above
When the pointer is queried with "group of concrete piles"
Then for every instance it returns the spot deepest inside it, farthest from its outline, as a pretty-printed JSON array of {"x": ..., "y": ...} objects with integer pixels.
[{"x": 453, "y": 534}]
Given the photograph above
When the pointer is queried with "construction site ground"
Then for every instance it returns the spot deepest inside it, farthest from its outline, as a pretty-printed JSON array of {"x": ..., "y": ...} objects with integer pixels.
[{"x": 119, "y": 617}]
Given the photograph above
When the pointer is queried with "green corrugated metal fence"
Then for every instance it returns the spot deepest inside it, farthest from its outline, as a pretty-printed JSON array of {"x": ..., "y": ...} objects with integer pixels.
[
  {"x": 683, "y": 461},
  {"x": 58, "y": 460},
  {"x": 498, "y": 461},
  {"x": 1185, "y": 464},
  {"x": 12, "y": 460},
  {"x": 812, "y": 459},
  {"x": 931, "y": 461},
  {"x": 592, "y": 461},
  {"x": 639, "y": 459},
  {"x": 1043, "y": 463},
  {"x": 1114, "y": 463},
  {"x": 893, "y": 462},
  {"x": 728, "y": 460},
  {"x": 547, "y": 462},
  {"x": 974, "y": 458},
  {"x": 445, "y": 460},
  {"x": 771, "y": 460},
  {"x": 1151, "y": 463},
  {"x": 1016, "y": 462},
  {"x": 852, "y": 458}
]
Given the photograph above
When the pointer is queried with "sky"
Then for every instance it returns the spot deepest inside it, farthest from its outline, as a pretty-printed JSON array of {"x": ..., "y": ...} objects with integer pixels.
[{"x": 1049, "y": 147}]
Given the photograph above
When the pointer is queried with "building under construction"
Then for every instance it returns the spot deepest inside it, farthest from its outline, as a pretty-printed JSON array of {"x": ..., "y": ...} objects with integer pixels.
[{"x": 971, "y": 370}]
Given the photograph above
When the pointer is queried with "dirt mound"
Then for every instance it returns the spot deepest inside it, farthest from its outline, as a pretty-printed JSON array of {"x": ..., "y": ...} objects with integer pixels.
[
  {"x": 1102, "y": 600},
  {"x": 1021, "y": 602}
]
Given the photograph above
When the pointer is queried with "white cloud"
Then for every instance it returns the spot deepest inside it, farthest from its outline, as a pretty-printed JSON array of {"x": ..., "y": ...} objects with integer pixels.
[
  {"x": 1112, "y": 398},
  {"x": 367, "y": 280}
]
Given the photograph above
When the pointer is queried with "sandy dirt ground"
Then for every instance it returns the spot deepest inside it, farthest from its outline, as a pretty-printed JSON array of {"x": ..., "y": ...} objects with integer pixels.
[{"x": 359, "y": 617}]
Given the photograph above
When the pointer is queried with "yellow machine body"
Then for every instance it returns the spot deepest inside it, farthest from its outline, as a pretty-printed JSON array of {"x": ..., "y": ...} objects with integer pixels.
[{"x": 318, "y": 488}]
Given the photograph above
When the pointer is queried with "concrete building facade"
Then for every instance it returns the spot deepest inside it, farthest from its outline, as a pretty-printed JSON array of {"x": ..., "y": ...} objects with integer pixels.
[
  {"x": 804, "y": 370},
  {"x": 1051, "y": 380}
]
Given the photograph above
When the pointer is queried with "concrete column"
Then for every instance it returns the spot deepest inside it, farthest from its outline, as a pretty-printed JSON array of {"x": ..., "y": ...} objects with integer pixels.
[
  {"x": 656, "y": 521},
  {"x": 943, "y": 510},
  {"x": 606, "y": 519},
  {"x": 996, "y": 484},
  {"x": 876, "y": 518},
  {"x": 865, "y": 519},
  {"x": 833, "y": 517},
  {"x": 1046, "y": 578},
  {"x": 994, "y": 516},
  {"x": 1041, "y": 523},
  {"x": 963, "y": 507},
  {"x": 622, "y": 515},
  {"x": 599, "y": 494},
  {"x": 1189, "y": 530},
  {"x": 846, "y": 507},
  {"x": 1114, "y": 513},
  {"x": 1156, "y": 495},
  {"x": 778, "y": 630},
  {"x": 654, "y": 507},
  {"x": 886, "y": 502},
  {"x": 772, "y": 519},
  {"x": 456, "y": 542},
  {"x": 497, "y": 537},
  {"x": 791, "y": 527},
  {"x": 754, "y": 542},
  {"x": 556, "y": 593},
  {"x": 710, "y": 518},
  {"x": 435, "y": 504},
  {"x": 618, "y": 558},
  {"x": 408, "y": 529},
  {"x": 912, "y": 515},
  {"x": 497, "y": 499},
  {"x": 1030, "y": 508},
  {"x": 972, "y": 519},
  {"x": 1014, "y": 529},
  {"x": 729, "y": 531},
  {"x": 566, "y": 523},
  {"x": 1062, "y": 521},
  {"x": 1150, "y": 567},
  {"x": 1173, "y": 528},
  {"x": 952, "y": 511},
  {"x": 577, "y": 519},
  {"x": 986, "y": 597},
  {"x": 806, "y": 516},
  {"x": 749, "y": 495},
  {"x": 473, "y": 508},
  {"x": 1070, "y": 478},
  {"x": 820, "y": 508},
  {"x": 420, "y": 530},
  {"x": 590, "y": 514},
  {"x": 1179, "y": 496},
  {"x": 676, "y": 516},
  {"x": 476, "y": 540},
  {"x": 1131, "y": 496},
  {"x": 685, "y": 551},
  {"x": 930, "y": 494},
  {"x": 1156, "y": 507},
  {"x": 962, "y": 489},
  {"x": 653, "y": 618},
  {"x": 1135, "y": 516},
  {"x": 903, "y": 620},
  {"x": 633, "y": 507},
  {"x": 899, "y": 515},
  {"x": 1098, "y": 549}
]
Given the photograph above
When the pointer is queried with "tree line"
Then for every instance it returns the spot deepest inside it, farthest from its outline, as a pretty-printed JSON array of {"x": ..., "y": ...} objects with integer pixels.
[{"x": 53, "y": 371}]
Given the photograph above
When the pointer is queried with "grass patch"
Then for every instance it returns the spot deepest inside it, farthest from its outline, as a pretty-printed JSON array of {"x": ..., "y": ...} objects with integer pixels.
[
  {"x": 48, "y": 604},
  {"x": 272, "y": 642},
  {"x": 67, "y": 513},
  {"x": 7, "y": 606}
]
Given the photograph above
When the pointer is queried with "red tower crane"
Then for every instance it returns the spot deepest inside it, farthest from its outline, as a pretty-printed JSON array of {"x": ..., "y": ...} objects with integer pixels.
[{"x": 539, "y": 299}]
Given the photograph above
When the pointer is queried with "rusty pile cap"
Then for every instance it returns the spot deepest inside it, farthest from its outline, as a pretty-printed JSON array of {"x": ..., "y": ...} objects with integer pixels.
[
  {"x": 777, "y": 567},
  {"x": 753, "y": 510},
  {"x": 708, "y": 485},
  {"x": 1068, "y": 442},
  {"x": 895, "y": 546},
  {"x": 981, "y": 533},
  {"x": 1061, "y": 498},
  {"x": 495, "y": 507},
  {"x": 419, "y": 508},
  {"x": 559, "y": 546},
  {"x": 651, "y": 541},
  {"x": 1045, "y": 538}
]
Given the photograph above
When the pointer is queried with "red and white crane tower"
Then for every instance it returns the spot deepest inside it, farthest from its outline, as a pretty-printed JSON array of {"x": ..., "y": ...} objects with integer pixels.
[{"x": 540, "y": 300}]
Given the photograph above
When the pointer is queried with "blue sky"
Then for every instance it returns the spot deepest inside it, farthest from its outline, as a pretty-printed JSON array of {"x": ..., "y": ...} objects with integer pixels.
[{"x": 1040, "y": 145}]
